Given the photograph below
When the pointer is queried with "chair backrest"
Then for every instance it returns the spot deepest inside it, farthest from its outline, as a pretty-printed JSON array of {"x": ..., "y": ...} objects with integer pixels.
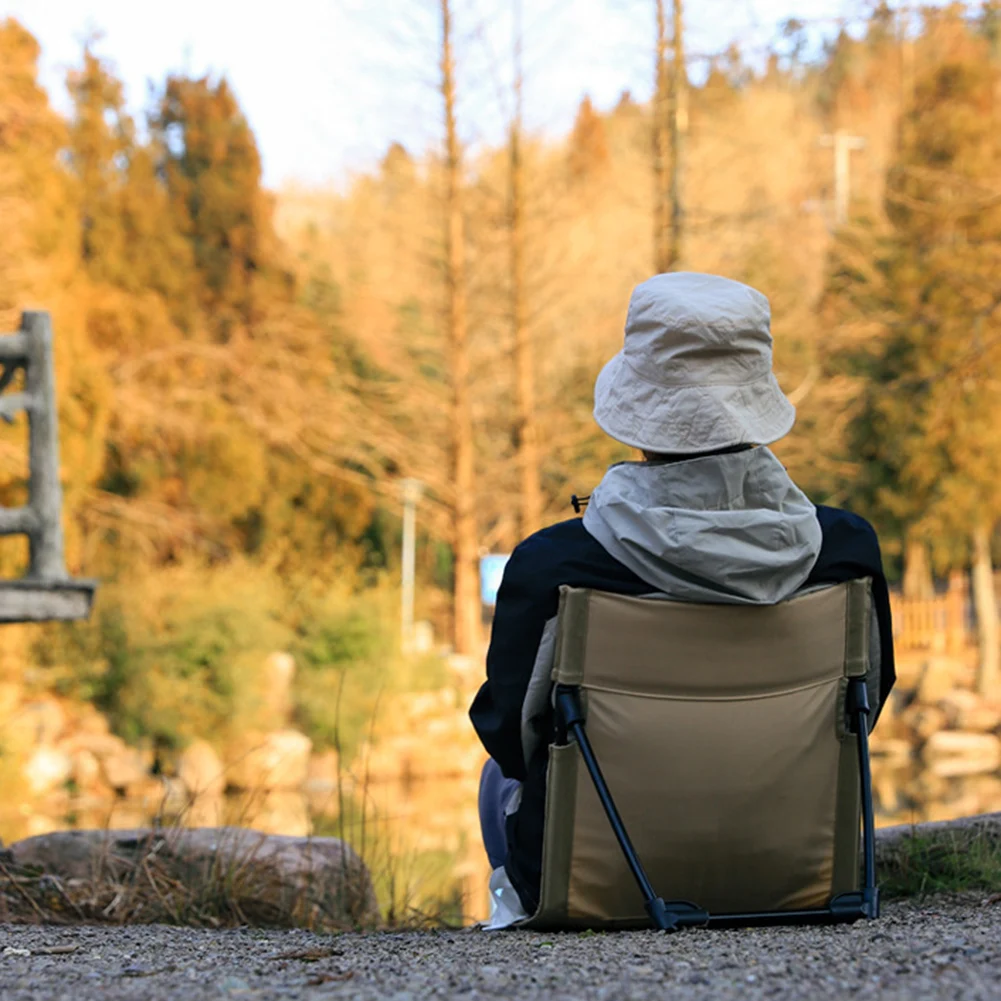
[{"x": 721, "y": 731}]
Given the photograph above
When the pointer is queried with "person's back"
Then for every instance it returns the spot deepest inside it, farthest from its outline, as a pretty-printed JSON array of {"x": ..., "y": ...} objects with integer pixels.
[{"x": 709, "y": 515}]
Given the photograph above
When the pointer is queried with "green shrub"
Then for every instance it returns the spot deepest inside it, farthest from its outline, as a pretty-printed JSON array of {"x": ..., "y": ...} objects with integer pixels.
[
  {"x": 344, "y": 651},
  {"x": 178, "y": 653},
  {"x": 174, "y": 654}
]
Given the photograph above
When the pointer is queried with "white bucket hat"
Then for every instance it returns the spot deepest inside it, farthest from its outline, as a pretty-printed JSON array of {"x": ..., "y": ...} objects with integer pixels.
[{"x": 695, "y": 374}]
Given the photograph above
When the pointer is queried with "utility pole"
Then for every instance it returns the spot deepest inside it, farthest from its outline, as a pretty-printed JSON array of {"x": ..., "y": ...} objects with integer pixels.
[
  {"x": 906, "y": 70},
  {"x": 466, "y": 592},
  {"x": 526, "y": 438},
  {"x": 843, "y": 144},
  {"x": 411, "y": 491}
]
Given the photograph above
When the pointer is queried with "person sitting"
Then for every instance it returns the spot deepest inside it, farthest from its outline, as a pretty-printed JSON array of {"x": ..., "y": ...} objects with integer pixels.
[{"x": 708, "y": 515}]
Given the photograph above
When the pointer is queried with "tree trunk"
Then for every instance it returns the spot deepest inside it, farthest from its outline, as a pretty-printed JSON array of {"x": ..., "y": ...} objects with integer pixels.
[
  {"x": 466, "y": 597},
  {"x": 986, "y": 604},
  {"x": 679, "y": 128},
  {"x": 917, "y": 582},
  {"x": 661, "y": 144},
  {"x": 526, "y": 435}
]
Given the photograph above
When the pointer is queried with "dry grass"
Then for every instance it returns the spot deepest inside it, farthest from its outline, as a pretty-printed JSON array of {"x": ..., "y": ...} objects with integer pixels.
[{"x": 153, "y": 879}]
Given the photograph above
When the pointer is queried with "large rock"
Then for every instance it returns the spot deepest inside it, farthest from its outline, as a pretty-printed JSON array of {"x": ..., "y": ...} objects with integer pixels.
[
  {"x": 87, "y": 774},
  {"x": 47, "y": 769},
  {"x": 277, "y": 811},
  {"x": 922, "y": 721},
  {"x": 955, "y": 833},
  {"x": 957, "y": 752},
  {"x": 965, "y": 710},
  {"x": 323, "y": 776},
  {"x": 207, "y": 875},
  {"x": 39, "y": 723},
  {"x": 940, "y": 676},
  {"x": 87, "y": 719},
  {"x": 278, "y": 675},
  {"x": 125, "y": 769},
  {"x": 263, "y": 761},
  {"x": 11, "y": 696},
  {"x": 892, "y": 750},
  {"x": 201, "y": 770}
]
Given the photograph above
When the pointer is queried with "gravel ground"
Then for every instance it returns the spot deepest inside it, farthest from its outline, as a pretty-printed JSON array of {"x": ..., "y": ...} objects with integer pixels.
[{"x": 937, "y": 949}]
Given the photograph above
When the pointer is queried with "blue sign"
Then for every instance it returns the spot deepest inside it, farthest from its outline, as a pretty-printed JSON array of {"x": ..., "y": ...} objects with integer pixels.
[{"x": 491, "y": 572}]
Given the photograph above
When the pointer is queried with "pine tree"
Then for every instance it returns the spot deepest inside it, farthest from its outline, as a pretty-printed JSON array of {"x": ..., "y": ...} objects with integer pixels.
[
  {"x": 130, "y": 245},
  {"x": 212, "y": 169},
  {"x": 101, "y": 140},
  {"x": 920, "y": 319}
]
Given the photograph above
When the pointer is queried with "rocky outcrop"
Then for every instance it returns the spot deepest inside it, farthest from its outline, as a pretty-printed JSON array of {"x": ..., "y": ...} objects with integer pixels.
[
  {"x": 427, "y": 736},
  {"x": 47, "y": 769},
  {"x": 959, "y": 752},
  {"x": 266, "y": 761},
  {"x": 200, "y": 769},
  {"x": 176, "y": 874},
  {"x": 278, "y": 674},
  {"x": 951, "y": 729}
]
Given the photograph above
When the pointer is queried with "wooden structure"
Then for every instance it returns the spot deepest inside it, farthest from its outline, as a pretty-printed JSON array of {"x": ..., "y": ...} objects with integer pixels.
[
  {"x": 46, "y": 591},
  {"x": 942, "y": 624}
]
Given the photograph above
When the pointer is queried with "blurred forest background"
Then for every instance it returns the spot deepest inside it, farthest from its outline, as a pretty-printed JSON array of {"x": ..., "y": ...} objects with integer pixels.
[{"x": 247, "y": 376}]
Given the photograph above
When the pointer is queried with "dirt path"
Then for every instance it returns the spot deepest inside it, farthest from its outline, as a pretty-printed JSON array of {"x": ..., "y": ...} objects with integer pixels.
[{"x": 938, "y": 949}]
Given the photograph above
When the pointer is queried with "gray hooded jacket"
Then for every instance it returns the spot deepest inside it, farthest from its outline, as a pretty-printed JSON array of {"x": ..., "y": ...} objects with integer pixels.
[{"x": 722, "y": 529}]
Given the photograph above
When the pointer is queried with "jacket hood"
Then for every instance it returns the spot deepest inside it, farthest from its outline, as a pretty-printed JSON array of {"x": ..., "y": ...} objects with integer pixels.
[{"x": 731, "y": 529}]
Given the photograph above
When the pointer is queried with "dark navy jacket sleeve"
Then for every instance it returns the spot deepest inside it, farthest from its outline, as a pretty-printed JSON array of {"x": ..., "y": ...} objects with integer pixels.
[
  {"x": 526, "y": 599},
  {"x": 851, "y": 550}
]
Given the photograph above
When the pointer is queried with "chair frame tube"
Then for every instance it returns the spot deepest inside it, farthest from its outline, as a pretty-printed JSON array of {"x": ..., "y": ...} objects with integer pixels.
[
  {"x": 674, "y": 914},
  {"x": 571, "y": 712}
]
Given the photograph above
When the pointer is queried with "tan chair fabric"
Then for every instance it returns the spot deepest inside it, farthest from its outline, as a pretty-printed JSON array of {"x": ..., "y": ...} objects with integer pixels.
[{"x": 721, "y": 733}]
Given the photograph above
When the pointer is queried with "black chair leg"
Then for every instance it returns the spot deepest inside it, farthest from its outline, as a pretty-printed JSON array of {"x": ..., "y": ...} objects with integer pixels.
[
  {"x": 860, "y": 709},
  {"x": 571, "y": 715}
]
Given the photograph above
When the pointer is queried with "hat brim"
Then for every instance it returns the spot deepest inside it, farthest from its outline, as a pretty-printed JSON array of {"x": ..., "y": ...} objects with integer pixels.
[{"x": 689, "y": 419}]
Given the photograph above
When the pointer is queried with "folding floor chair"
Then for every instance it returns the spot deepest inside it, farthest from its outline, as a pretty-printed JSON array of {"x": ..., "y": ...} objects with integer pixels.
[{"x": 710, "y": 763}]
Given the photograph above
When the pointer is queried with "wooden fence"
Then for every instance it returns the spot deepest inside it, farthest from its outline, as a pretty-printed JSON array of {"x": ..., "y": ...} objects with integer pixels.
[{"x": 942, "y": 623}]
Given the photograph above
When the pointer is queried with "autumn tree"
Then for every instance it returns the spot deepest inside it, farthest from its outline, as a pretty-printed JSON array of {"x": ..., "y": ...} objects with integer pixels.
[
  {"x": 919, "y": 319},
  {"x": 40, "y": 267},
  {"x": 212, "y": 170},
  {"x": 139, "y": 266},
  {"x": 588, "y": 157},
  {"x": 101, "y": 139}
]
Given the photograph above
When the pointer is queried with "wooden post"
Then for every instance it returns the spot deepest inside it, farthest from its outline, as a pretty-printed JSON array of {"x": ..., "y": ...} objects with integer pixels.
[
  {"x": 46, "y": 592},
  {"x": 44, "y": 487}
]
